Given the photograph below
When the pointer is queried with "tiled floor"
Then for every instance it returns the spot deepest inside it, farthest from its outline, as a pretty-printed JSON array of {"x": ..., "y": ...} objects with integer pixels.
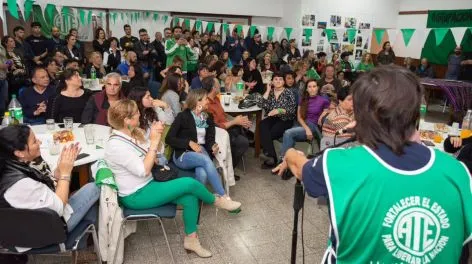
[{"x": 261, "y": 233}]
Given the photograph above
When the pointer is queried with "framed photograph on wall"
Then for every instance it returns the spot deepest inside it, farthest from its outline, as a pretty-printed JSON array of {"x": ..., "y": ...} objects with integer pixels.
[
  {"x": 308, "y": 20},
  {"x": 335, "y": 21}
]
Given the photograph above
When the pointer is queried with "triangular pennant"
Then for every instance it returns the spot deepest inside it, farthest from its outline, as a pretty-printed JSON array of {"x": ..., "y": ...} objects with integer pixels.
[
  {"x": 239, "y": 29},
  {"x": 198, "y": 25},
  {"x": 379, "y": 34},
  {"x": 225, "y": 28},
  {"x": 28, "y": 9},
  {"x": 137, "y": 16},
  {"x": 340, "y": 34},
  {"x": 210, "y": 26},
  {"x": 89, "y": 17},
  {"x": 217, "y": 27},
  {"x": 122, "y": 15},
  {"x": 458, "y": 34},
  {"x": 187, "y": 23},
  {"x": 252, "y": 30},
  {"x": 165, "y": 18},
  {"x": 329, "y": 33},
  {"x": 204, "y": 26},
  {"x": 270, "y": 33},
  {"x": 351, "y": 34},
  {"x": 12, "y": 8},
  {"x": 50, "y": 8},
  {"x": 307, "y": 32},
  {"x": 176, "y": 21},
  {"x": 392, "y": 36},
  {"x": 407, "y": 33},
  {"x": 155, "y": 16},
  {"x": 246, "y": 30},
  {"x": 21, "y": 7},
  {"x": 192, "y": 24},
  {"x": 113, "y": 17},
  {"x": 231, "y": 28},
  {"x": 440, "y": 33},
  {"x": 288, "y": 31},
  {"x": 148, "y": 14}
]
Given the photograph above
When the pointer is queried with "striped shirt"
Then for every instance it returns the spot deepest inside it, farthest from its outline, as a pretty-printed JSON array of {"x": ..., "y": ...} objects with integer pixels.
[{"x": 336, "y": 120}]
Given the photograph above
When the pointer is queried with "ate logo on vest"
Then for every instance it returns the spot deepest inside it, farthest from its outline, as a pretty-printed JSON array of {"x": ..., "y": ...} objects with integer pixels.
[{"x": 414, "y": 229}]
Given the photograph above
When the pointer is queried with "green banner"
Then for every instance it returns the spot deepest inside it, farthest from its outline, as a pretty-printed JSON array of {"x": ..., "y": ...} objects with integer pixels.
[
  {"x": 379, "y": 34},
  {"x": 270, "y": 33},
  {"x": 440, "y": 33},
  {"x": 351, "y": 34},
  {"x": 407, "y": 34},
  {"x": 155, "y": 16},
  {"x": 288, "y": 31},
  {"x": 210, "y": 26},
  {"x": 187, "y": 23},
  {"x": 198, "y": 25},
  {"x": 449, "y": 18},
  {"x": 13, "y": 8},
  {"x": 28, "y": 8},
  {"x": 307, "y": 32},
  {"x": 226, "y": 28},
  {"x": 252, "y": 30},
  {"x": 165, "y": 18}
]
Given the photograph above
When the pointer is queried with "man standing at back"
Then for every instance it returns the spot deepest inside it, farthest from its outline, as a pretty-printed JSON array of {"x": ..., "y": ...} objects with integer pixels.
[
  {"x": 56, "y": 43},
  {"x": 128, "y": 40},
  {"x": 38, "y": 43},
  {"x": 22, "y": 48},
  {"x": 178, "y": 46}
]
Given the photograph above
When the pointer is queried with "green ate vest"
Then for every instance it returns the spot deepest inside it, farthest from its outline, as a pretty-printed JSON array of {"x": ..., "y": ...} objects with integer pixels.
[{"x": 380, "y": 214}]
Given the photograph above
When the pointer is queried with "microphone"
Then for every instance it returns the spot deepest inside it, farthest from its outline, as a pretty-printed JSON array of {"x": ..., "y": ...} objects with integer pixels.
[{"x": 344, "y": 131}]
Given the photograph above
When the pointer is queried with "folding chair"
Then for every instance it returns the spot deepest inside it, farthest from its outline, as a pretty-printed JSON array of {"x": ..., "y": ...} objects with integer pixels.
[
  {"x": 158, "y": 213},
  {"x": 48, "y": 234}
]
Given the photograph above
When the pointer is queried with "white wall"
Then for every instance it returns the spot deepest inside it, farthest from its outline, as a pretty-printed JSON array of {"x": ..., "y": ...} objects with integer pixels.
[{"x": 267, "y": 8}]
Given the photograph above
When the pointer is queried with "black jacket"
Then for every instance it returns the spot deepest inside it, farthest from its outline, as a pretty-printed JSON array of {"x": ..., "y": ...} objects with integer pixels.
[
  {"x": 465, "y": 154},
  {"x": 184, "y": 129}
]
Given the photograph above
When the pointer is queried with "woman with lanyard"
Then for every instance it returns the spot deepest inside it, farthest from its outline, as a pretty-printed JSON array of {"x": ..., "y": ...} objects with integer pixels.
[{"x": 391, "y": 198}]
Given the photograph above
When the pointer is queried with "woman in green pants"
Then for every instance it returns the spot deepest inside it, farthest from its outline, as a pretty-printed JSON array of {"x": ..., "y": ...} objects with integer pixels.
[{"x": 131, "y": 158}]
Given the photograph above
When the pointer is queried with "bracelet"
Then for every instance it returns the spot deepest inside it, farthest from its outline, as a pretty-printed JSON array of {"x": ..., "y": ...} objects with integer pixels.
[
  {"x": 64, "y": 178},
  {"x": 280, "y": 111}
]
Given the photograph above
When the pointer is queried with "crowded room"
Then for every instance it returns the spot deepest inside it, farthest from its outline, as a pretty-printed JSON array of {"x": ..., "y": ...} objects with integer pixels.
[{"x": 207, "y": 132}]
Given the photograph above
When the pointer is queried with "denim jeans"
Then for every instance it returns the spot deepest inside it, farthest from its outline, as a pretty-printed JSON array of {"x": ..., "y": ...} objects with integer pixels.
[
  {"x": 82, "y": 202},
  {"x": 297, "y": 134},
  {"x": 204, "y": 168}
]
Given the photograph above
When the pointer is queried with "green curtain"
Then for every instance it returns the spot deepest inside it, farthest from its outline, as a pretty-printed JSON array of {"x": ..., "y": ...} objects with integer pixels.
[{"x": 438, "y": 54}]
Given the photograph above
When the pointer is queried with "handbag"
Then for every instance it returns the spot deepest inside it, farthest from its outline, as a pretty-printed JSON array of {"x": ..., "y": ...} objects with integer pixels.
[
  {"x": 249, "y": 101},
  {"x": 160, "y": 173}
]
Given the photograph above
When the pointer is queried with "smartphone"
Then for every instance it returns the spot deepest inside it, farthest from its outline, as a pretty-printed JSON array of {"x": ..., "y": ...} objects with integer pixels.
[
  {"x": 61, "y": 125},
  {"x": 81, "y": 125},
  {"x": 428, "y": 143},
  {"x": 81, "y": 156}
]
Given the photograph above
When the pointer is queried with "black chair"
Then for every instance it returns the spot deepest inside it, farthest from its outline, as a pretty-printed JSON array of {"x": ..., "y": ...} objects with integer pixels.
[{"x": 43, "y": 231}]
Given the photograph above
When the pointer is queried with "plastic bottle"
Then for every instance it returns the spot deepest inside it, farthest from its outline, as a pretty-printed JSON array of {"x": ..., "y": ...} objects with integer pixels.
[
  {"x": 466, "y": 122},
  {"x": 6, "y": 119},
  {"x": 16, "y": 112},
  {"x": 422, "y": 112},
  {"x": 240, "y": 88},
  {"x": 93, "y": 73}
]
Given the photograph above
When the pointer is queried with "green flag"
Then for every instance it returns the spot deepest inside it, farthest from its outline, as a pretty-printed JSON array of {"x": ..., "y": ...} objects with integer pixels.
[
  {"x": 226, "y": 28},
  {"x": 329, "y": 33},
  {"x": 198, "y": 25},
  {"x": 288, "y": 30},
  {"x": 407, "y": 34},
  {"x": 252, "y": 30},
  {"x": 379, "y": 33},
  {"x": 165, "y": 18},
  {"x": 113, "y": 16},
  {"x": 176, "y": 21},
  {"x": 351, "y": 34},
  {"x": 155, "y": 16},
  {"x": 270, "y": 33},
  {"x": 13, "y": 8},
  {"x": 210, "y": 26},
  {"x": 148, "y": 14},
  {"x": 82, "y": 16},
  {"x": 239, "y": 28},
  {"x": 122, "y": 16},
  {"x": 137, "y": 16},
  {"x": 50, "y": 9},
  {"x": 187, "y": 23},
  {"x": 89, "y": 17},
  {"x": 308, "y": 32},
  {"x": 440, "y": 33},
  {"x": 28, "y": 8}
]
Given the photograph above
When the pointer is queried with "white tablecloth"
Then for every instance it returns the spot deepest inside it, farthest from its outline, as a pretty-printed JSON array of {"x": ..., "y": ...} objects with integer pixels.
[{"x": 96, "y": 150}]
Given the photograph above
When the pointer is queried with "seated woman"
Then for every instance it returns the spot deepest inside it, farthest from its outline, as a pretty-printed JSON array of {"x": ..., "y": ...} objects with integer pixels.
[
  {"x": 280, "y": 111},
  {"x": 344, "y": 83},
  {"x": 95, "y": 62},
  {"x": 97, "y": 106},
  {"x": 132, "y": 158},
  {"x": 309, "y": 110},
  {"x": 17, "y": 72},
  {"x": 169, "y": 92},
  {"x": 336, "y": 120},
  {"x": 252, "y": 77},
  {"x": 366, "y": 64},
  {"x": 232, "y": 79},
  {"x": 461, "y": 147},
  {"x": 24, "y": 172},
  {"x": 135, "y": 80},
  {"x": 192, "y": 136},
  {"x": 329, "y": 84},
  {"x": 425, "y": 70},
  {"x": 71, "y": 100}
]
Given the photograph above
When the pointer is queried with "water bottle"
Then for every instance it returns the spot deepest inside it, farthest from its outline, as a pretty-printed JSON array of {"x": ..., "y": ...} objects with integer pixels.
[
  {"x": 6, "y": 120},
  {"x": 422, "y": 112},
  {"x": 16, "y": 112},
  {"x": 466, "y": 122},
  {"x": 240, "y": 88},
  {"x": 93, "y": 73}
]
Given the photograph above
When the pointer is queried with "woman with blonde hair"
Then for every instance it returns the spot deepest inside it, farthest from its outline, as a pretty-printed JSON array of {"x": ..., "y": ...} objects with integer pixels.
[
  {"x": 366, "y": 64},
  {"x": 132, "y": 158}
]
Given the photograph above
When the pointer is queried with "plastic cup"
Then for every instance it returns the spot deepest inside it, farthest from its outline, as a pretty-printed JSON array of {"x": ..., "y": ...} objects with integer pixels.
[{"x": 89, "y": 134}]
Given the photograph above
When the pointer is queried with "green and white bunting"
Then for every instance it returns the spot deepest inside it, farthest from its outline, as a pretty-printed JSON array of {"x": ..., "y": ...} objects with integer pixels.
[
  {"x": 307, "y": 32},
  {"x": 407, "y": 34},
  {"x": 458, "y": 34},
  {"x": 379, "y": 34},
  {"x": 270, "y": 33},
  {"x": 288, "y": 31},
  {"x": 440, "y": 33}
]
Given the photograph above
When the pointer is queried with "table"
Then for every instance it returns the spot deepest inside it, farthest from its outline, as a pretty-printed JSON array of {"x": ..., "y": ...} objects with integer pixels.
[
  {"x": 458, "y": 93},
  {"x": 430, "y": 126},
  {"x": 96, "y": 151},
  {"x": 233, "y": 110}
]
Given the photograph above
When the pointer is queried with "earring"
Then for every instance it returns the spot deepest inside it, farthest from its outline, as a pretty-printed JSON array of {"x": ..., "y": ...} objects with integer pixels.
[
  {"x": 130, "y": 128},
  {"x": 200, "y": 107}
]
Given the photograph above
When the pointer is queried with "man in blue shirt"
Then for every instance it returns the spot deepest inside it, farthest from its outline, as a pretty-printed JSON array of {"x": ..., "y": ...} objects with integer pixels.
[
  {"x": 202, "y": 73},
  {"x": 34, "y": 99},
  {"x": 234, "y": 46}
]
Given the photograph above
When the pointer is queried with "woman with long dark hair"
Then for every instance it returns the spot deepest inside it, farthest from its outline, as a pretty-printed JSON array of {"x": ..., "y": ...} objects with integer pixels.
[
  {"x": 71, "y": 50},
  {"x": 310, "y": 107},
  {"x": 17, "y": 73},
  {"x": 26, "y": 181},
  {"x": 386, "y": 56},
  {"x": 252, "y": 77},
  {"x": 170, "y": 91},
  {"x": 100, "y": 43},
  {"x": 112, "y": 57},
  {"x": 71, "y": 98},
  {"x": 150, "y": 109}
]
